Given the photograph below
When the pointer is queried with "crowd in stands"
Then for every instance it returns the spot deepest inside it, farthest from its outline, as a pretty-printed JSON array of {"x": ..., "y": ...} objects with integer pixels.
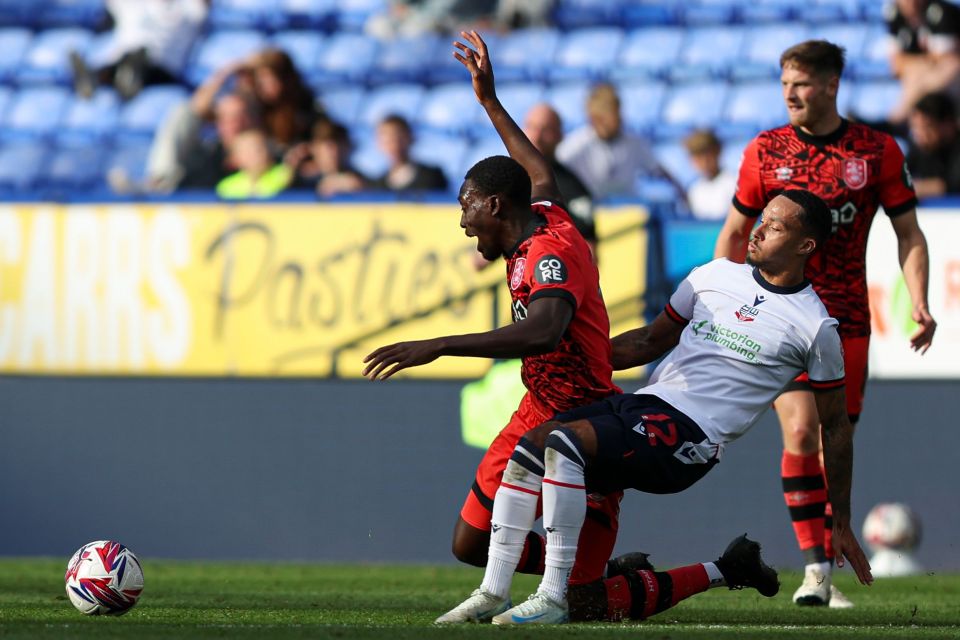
[{"x": 256, "y": 125}]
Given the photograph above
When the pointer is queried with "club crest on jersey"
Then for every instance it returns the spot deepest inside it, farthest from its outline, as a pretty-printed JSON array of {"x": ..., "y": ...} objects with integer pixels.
[
  {"x": 749, "y": 313},
  {"x": 855, "y": 172},
  {"x": 516, "y": 278},
  {"x": 784, "y": 174}
]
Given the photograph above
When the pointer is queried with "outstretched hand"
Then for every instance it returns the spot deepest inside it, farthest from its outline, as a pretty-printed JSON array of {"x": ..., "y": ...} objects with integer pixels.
[
  {"x": 386, "y": 361},
  {"x": 477, "y": 62},
  {"x": 923, "y": 337},
  {"x": 845, "y": 546}
]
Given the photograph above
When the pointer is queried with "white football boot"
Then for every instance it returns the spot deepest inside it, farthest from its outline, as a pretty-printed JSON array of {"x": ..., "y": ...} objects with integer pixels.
[
  {"x": 538, "y": 609},
  {"x": 815, "y": 590},
  {"x": 481, "y": 606},
  {"x": 838, "y": 600}
]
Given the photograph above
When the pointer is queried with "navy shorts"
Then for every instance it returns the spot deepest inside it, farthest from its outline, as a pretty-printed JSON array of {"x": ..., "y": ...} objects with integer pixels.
[{"x": 643, "y": 443}]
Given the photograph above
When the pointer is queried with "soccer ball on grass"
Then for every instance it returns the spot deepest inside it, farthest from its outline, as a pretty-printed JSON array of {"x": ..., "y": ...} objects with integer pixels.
[{"x": 104, "y": 578}]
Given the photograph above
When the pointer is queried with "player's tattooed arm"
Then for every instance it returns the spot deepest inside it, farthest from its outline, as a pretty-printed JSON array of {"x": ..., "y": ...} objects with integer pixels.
[
  {"x": 837, "y": 435},
  {"x": 477, "y": 62},
  {"x": 540, "y": 332},
  {"x": 645, "y": 344}
]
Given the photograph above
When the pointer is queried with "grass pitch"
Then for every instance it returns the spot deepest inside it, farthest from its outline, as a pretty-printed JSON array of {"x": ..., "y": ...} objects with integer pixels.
[{"x": 219, "y": 600}]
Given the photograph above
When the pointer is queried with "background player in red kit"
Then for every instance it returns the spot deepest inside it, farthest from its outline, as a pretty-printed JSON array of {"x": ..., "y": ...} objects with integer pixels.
[
  {"x": 560, "y": 326},
  {"x": 855, "y": 169}
]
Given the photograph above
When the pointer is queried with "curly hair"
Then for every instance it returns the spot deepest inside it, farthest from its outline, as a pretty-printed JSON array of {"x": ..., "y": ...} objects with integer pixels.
[{"x": 502, "y": 175}]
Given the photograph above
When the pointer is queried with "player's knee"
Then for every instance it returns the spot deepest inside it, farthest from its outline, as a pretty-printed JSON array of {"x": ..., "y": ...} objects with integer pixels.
[
  {"x": 468, "y": 552},
  {"x": 565, "y": 441},
  {"x": 538, "y": 435},
  {"x": 801, "y": 437}
]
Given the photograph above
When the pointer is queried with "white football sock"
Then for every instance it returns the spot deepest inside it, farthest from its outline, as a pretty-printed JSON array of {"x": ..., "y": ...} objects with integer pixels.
[
  {"x": 564, "y": 509},
  {"x": 713, "y": 573}
]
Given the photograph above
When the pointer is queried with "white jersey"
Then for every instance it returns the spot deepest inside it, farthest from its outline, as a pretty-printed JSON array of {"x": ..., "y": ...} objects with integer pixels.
[{"x": 745, "y": 340}]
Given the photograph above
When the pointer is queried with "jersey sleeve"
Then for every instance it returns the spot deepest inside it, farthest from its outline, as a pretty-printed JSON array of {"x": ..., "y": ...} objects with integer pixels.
[
  {"x": 825, "y": 358},
  {"x": 750, "y": 198},
  {"x": 896, "y": 186},
  {"x": 680, "y": 307},
  {"x": 553, "y": 269}
]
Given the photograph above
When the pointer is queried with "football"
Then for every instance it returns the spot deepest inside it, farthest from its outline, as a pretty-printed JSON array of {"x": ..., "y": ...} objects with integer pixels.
[
  {"x": 104, "y": 578},
  {"x": 891, "y": 526}
]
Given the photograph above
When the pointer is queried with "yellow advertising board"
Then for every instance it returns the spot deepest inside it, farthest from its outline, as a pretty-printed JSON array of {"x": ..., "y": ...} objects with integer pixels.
[{"x": 258, "y": 290}]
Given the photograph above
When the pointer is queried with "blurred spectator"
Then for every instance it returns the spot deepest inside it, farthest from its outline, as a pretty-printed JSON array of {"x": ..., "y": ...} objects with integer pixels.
[
  {"x": 604, "y": 156},
  {"x": 258, "y": 176},
  {"x": 933, "y": 156},
  {"x": 523, "y": 14},
  {"x": 150, "y": 44},
  {"x": 412, "y": 18},
  {"x": 323, "y": 164},
  {"x": 710, "y": 195},
  {"x": 395, "y": 138},
  {"x": 544, "y": 128},
  {"x": 926, "y": 56}
]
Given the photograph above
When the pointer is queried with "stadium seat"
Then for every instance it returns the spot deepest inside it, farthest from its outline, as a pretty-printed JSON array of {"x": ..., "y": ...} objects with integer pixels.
[
  {"x": 69, "y": 13},
  {"x": 823, "y": 13},
  {"x": 20, "y": 167},
  {"x": 648, "y": 53},
  {"x": 752, "y": 107},
  {"x": 74, "y": 168},
  {"x": 444, "y": 151},
  {"x": 407, "y": 59},
  {"x": 691, "y": 105},
  {"x": 771, "y": 11},
  {"x": 14, "y": 43},
  {"x": 220, "y": 49},
  {"x": 16, "y": 13},
  {"x": 344, "y": 104},
  {"x": 852, "y": 37},
  {"x": 527, "y": 54},
  {"x": 351, "y": 15},
  {"x": 308, "y": 14},
  {"x": 641, "y": 104},
  {"x": 368, "y": 159},
  {"x": 35, "y": 113},
  {"x": 732, "y": 153},
  {"x": 402, "y": 99},
  {"x": 303, "y": 47},
  {"x": 262, "y": 15},
  {"x": 673, "y": 157},
  {"x": 873, "y": 101},
  {"x": 579, "y": 14},
  {"x": 874, "y": 61},
  {"x": 586, "y": 54},
  {"x": 131, "y": 158},
  {"x": 6, "y": 96},
  {"x": 144, "y": 113},
  {"x": 347, "y": 57},
  {"x": 760, "y": 58},
  {"x": 517, "y": 98},
  {"x": 646, "y": 14},
  {"x": 570, "y": 101},
  {"x": 484, "y": 148},
  {"x": 711, "y": 12},
  {"x": 708, "y": 53},
  {"x": 90, "y": 121},
  {"x": 47, "y": 60},
  {"x": 449, "y": 108}
]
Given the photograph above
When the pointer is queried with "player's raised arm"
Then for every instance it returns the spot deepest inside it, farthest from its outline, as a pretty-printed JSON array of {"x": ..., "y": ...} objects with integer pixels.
[
  {"x": 838, "y": 465},
  {"x": 645, "y": 344},
  {"x": 477, "y": 62}
]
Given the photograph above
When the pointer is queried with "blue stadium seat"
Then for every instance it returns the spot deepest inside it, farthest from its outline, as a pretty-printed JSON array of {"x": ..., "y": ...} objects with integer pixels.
[
  {"x": 351, "y": 15},
  {"x": 303, "y": 47},
  {"x": 20, "y": 167},
  {"x": 587, "y": 54},
  {"x": 823, "y": 12},
  {"x": 368, "y": 159},
  {"x": 873, "y": 101},
  {"x": 641, "y": 104},
  {"x": 708, "y": 53},
  {"x": 449, "y": 108},
  {"x": 47, "y": 59},
  {"x": 344, "y": 104},
  {"x": 483, "y": 148},
  {"x": 871, "y": 11},
  {"x": 527, "y": 54},
  {"x": 852, "y": 37},
  {"x": 691, "y": 105},
  {"x": 648, "y": 53},
  {"x": 647, "y": 13},
  {"x": 6, "y": 96},
  {"x": 90, "y": 121},
  {"x": 762, "y": 48},
  {"x": 14, "y": 43},
  {"x": 570, "y": 101},
  {"x": 131, "y": 158},
  {"x": 874, "y": 61},
  {"x": 579, "y": 14},
  {"x": 308, "y": 14},
  {"x": 771, "y": 11},
  {"x": 220, "y": 49},
  {"x": 261, "y": 15},
  {"x": 142, "y": 115},
  {"x": 732, "y": 153},
  {"x": 16, "y": 13},
  {"x": 35, "y": 113},
  {"x": 751, "y": 108},
  {"x": 518, "y": 98},
  {"x": 401, "y": 99},
  {"x": 347, "y": 57},
  {"x": 849, "y": 9},
  {"x": 407, "y": 59},
  {"x": 69, "y": 13},
  {"x": 74, "y": 168},
  {"x": 673, "y": 157},
  {"x": 444, "y": 151},
  {"x": 707, "y": 12}
]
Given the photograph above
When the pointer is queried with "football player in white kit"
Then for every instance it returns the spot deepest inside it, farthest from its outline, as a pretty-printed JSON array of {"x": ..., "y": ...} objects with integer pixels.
[{"x": 738, "y": 334}]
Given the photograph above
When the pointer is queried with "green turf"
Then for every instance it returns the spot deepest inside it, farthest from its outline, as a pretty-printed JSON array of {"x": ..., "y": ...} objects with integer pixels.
[{"x": 216, "y": 600}]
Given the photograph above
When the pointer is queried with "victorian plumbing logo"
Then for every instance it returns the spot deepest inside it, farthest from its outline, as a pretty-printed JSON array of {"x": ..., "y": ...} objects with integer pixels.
[{"x": 749, "y": 313}]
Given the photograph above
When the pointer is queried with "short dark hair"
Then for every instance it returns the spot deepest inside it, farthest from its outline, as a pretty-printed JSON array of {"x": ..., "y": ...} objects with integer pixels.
[
  {"x": 937, "y": 106},
  {"x": 817, "y": 56},
  {"x": 397, "y": 120},
  {"x": 815, "y": 215},
  {"x": 502, "y": 175}
]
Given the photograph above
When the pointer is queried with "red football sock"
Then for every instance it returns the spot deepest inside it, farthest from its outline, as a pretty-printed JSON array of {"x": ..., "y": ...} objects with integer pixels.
[{"x": 805, "y": 493}]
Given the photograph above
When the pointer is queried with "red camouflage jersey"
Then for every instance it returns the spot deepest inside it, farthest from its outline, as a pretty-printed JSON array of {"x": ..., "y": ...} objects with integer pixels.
[
  {"x": 855, "y": 169},
  {"x": 552, "y": 259}
]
